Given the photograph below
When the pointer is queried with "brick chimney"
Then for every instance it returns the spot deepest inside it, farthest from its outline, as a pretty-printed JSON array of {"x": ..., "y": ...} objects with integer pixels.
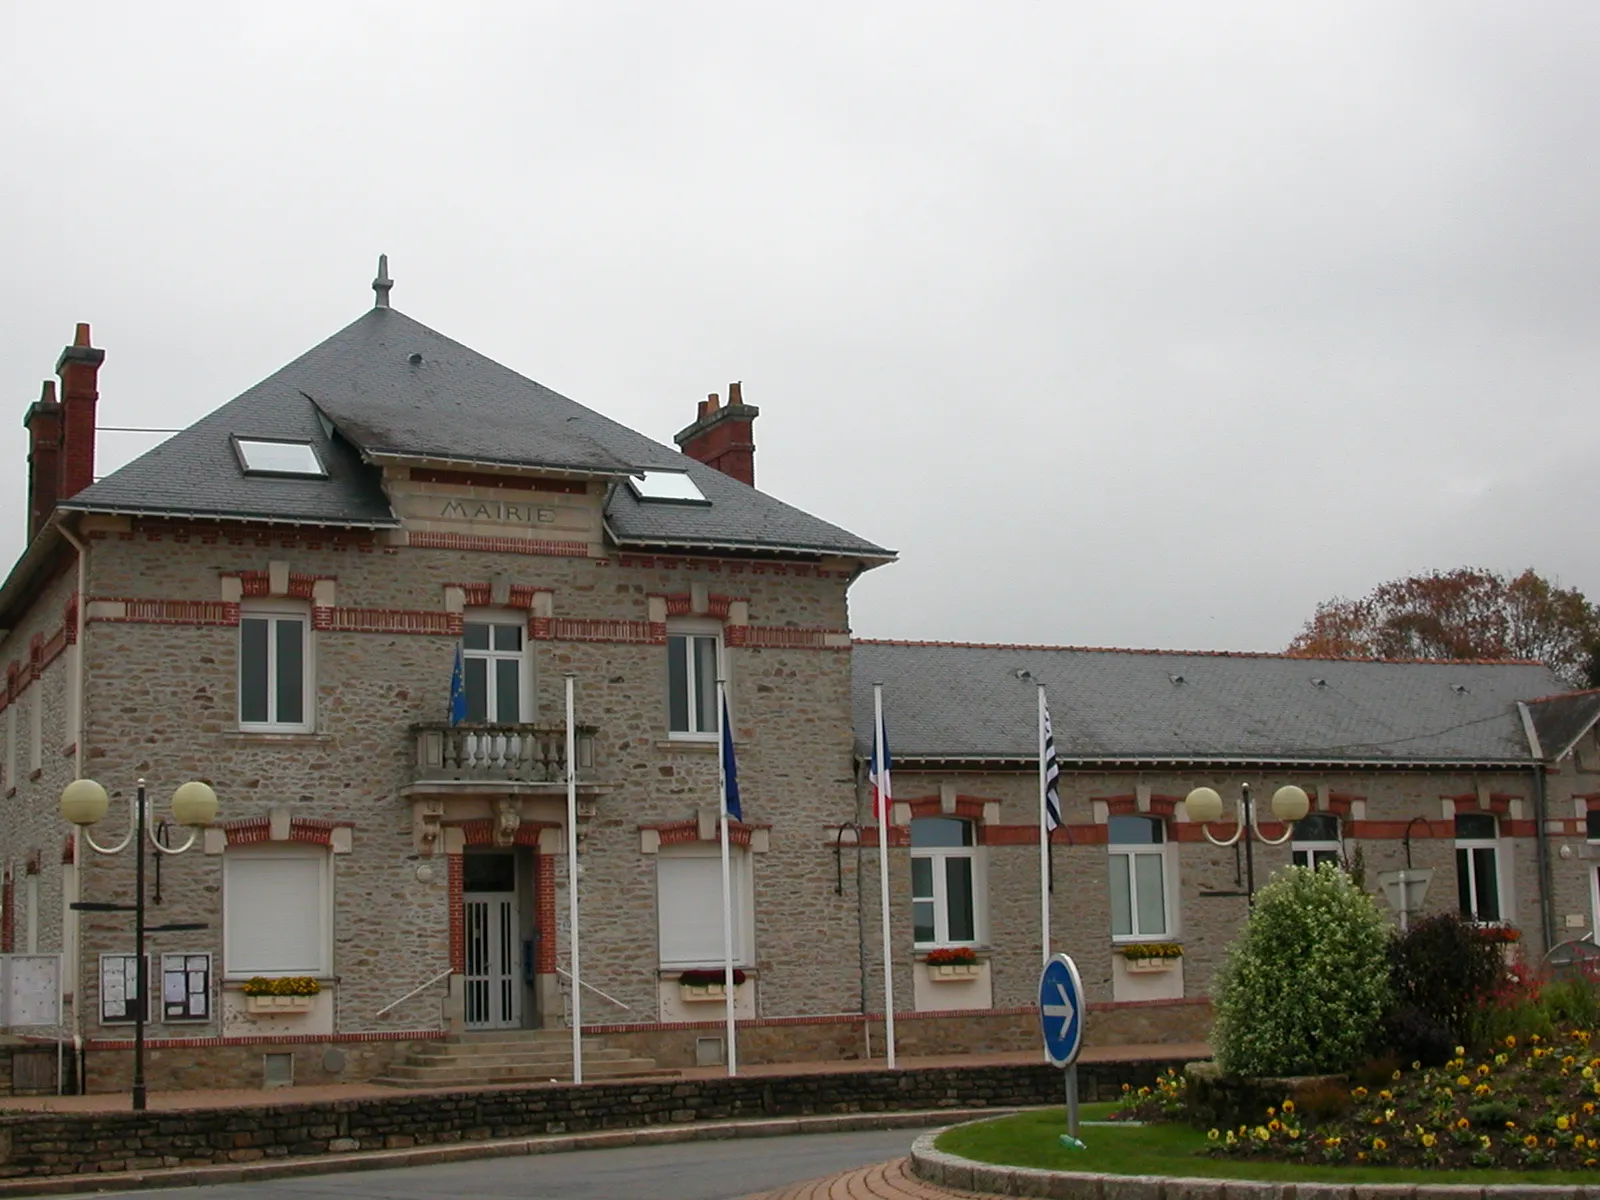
[
  {"x": 722, "y": 436},
  {"x": 79, "y": 368},
  {"x": 43, "y": 424}
]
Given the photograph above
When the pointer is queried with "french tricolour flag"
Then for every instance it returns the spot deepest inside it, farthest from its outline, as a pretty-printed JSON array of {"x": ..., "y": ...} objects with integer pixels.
[{"x": 878, "y": 774}]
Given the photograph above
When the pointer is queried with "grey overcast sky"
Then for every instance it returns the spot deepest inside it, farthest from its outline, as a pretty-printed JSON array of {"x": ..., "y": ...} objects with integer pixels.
[{"x": 1144, "y": 324}]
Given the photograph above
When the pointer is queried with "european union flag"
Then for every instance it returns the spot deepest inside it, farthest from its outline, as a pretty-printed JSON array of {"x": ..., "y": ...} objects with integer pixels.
[
  {"x": 730, "y": 770},
  {"x": 458, "y": 693}
]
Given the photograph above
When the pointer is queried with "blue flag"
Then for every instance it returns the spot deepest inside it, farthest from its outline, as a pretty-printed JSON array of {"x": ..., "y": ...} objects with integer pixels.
[
  {"x": 458, "y": 693},
  {"x": 730, "y": 770}
]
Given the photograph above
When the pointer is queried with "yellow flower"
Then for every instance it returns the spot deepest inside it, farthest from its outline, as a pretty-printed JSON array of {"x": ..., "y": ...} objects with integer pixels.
[
  {"x": 1483, "y": 1089},
  {"x": 1589, "y": 1162},
  {"x": 1332, "y": 1143},
  {"x": 1395, "y": 1077},
  {"x": 1379, "y": 1144},
  {"x": 1274, "y": 1125},
  {"x": 1212, "y": 1135},
  {"x": 1530, "y": 1141},
  {"x": 1386, "y": 1094},
  {"x": 1288, "y": 1106},
  {"x": 1511, "y": 1124},
  {"x": 1588, "y": 1072},
  {"x": 1562, "y": 1123},
  {"x": 1416, "y": 1066},
  {"x": 1428, "y": 1139},
  {"x": 1462, "y": 1123},
  {"x": 1535, "y": 1039},
  {"x": 1483, "y": 1140},
  {"x": 1460, "y": 1050},
  {"x": 1261, "y": 1135},
  {"x": 1588, "y": 1107},
  {"x": 1271, "y": 1112},
  {"x": 1359, "y": 1093},
  {"x": 1463, "y": 1081},
  {"x": 1550, "y": 1143},
  {"x": 1511, "y": 1043},
  {"x": 1483, "y": 1068},
  {"x": 1294, "y": 1135}
]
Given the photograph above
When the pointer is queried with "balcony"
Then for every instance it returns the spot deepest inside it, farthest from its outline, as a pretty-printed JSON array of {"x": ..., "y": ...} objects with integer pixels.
[{"x": 516, "y": 754}]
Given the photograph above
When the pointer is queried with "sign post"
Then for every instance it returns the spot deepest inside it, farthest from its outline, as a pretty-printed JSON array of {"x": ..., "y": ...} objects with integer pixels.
[{"x": 1061, "y": 1012}]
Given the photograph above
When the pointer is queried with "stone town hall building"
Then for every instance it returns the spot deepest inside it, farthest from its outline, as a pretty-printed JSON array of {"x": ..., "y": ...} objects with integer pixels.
[{"x": 273, "y": 601}]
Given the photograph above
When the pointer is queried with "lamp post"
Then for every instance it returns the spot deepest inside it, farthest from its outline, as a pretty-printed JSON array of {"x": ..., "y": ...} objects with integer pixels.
[
  {"x": 194, "y": 805},
  {"x": 1289, "y": 804}
]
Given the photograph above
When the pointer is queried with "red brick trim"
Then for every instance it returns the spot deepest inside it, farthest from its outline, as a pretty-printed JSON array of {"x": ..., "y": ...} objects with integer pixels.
[
  {"x": 173, "y": 612},
  {"x": 726, "y": 566},
  {"x": 481, "y": 595},
  {"x": 282, "y": 1039},
  {"x": 256, "y": 584},
  {"x": 212, "y": 533},
  {"x": 308, "y": 830},
  {"x": 387, "y": 620},
  {"x": 583, "y": 629},
  {"x": 1371, "y": 831},
  {"x": 424, "y": 540},
  {"x": 1028, "y": 835},
  {"x": 510, "y": 483},
  {"x": 544, "y": 912},
  {"x": 1591, "y": 801},
  {"x": 680, "y": 604},
  {"x": 1499, "y": 802},
  {"x": 1337, "y": 803},
  {"x": 859, "y": 1018},
  {"x": 776, "y": 637},
  {"x": 69, "y": 619},
  {"x": 68, "y": 852},
  {"x": 457, "y": 906},
  {"x": 480, "y": 832},
  {"x": 680, "y": 833},
  {"x": 968, "y": 808},
  {"x": 1128, "y": 806}
]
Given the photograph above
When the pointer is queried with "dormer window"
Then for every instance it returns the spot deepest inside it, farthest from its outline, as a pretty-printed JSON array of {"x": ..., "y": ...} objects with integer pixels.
[
  {"x": 267, "y": 456},
  {"x": 666, "y": 487}
]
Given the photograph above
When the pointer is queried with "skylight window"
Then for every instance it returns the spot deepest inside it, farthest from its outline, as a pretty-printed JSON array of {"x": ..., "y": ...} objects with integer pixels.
[
  {"x": 670, "y": 487},
  {"x": 262, "y": 457}
]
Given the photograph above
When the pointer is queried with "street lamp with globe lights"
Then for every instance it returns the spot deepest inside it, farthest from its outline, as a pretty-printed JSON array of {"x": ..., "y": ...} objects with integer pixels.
[
  {"x": 1289, "y": 804},
  {"x": 194, "y": 805}
]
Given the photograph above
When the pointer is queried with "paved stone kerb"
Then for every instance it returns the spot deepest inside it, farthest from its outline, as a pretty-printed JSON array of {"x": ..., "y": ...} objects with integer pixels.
[{"x": 957, "y": 1173}]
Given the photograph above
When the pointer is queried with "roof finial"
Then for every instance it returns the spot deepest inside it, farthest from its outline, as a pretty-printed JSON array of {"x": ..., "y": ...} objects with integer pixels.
[{"x": 382, "y": 284}]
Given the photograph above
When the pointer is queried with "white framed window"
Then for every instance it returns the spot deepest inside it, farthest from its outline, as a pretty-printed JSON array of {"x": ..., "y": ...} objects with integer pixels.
[
  {"x": 694, "y": 657},
  {"x": 689, "y": 905},
  {"x": 277, "y": 910},
  {"x": 494, "y": 663},
  {"x": 1316, "y": 841},
  {"x": 1140, "y": 896},
  {"x": 275, "y": 669},
  {"x": 947, "y": 883},
  {"x": 1591, "y": 831},
  {"x": 1479, "y": 889}
]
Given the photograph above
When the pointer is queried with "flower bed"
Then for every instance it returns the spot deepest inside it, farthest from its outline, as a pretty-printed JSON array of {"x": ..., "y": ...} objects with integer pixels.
[{"x": 1532, "y": 1103}]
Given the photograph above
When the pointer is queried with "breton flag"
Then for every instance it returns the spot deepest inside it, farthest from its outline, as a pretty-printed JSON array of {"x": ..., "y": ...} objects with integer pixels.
[
  {"x": 1052, "y": 773},
  {"x": 730, "y": 769},
  {"x": 879, "y": 770},
  {"x": 458, "y": 693}
]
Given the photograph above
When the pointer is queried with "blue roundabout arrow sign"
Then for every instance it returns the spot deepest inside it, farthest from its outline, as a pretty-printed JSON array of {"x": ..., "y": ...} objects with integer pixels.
[{"x": 1061, "y": 1010}]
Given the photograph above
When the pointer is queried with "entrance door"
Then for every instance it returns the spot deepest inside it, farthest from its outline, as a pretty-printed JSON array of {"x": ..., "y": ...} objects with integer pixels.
[{"x": 493, "y": 994}]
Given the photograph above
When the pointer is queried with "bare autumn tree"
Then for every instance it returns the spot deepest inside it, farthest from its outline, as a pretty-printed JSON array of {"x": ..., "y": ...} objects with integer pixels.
[{"x": 1466, "y": 613}]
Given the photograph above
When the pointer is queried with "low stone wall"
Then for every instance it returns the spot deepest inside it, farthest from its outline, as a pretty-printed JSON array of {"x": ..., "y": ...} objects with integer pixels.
[
  {"x": 227, "y": 1064},
  {"x": 34, "y": 1145},
  {"x": 1217, "y": 1101},
  {"x": 853, "y": 1037}
]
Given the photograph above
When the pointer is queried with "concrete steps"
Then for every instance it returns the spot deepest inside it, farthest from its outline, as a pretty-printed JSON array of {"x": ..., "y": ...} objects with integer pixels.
[{"x": 513, "y": 1056}]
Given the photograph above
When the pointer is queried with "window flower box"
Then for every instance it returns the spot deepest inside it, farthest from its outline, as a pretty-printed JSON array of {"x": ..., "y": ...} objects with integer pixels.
[
  {"x": 1143, "y": 957},
  {"x": 699, "y": 986},
  {"x": 279, "y": 1006},
  {"x": 950, "y": 963}
]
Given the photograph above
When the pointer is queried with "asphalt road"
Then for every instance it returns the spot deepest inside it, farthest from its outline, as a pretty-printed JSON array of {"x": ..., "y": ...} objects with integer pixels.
[{"x": 715, "y": 1170}]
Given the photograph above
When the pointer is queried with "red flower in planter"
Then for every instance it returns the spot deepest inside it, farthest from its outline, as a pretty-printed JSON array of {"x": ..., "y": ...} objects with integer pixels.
[{"x": 951, "y": 956}]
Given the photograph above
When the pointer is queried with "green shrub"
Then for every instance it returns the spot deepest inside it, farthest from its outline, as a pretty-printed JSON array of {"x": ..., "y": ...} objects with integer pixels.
[
  {"x": 1572, "y": 1002},
  {"x": 1442, "y": 973},
  {"x": 1306, "y": 984},
  {"x": 1492, "y": 1114}
]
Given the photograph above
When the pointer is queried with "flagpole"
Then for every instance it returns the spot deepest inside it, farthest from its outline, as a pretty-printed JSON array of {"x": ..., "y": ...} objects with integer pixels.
[
  {"x": 1044, "y": 840},
  {"x": 727, "y": 883},
  {"x": 884, "y": 799},
  {"x": 572, "y": 889}
]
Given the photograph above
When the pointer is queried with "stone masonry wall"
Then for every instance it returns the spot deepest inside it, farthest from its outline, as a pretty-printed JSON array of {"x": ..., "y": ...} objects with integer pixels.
[
  {"x": 35, "y": 1145},
  {"x": 162, "y": 704}
]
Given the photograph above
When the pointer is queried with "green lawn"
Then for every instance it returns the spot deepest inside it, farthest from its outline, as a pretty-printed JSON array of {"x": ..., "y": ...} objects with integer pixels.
[{"x": 1031, "y": 1139}]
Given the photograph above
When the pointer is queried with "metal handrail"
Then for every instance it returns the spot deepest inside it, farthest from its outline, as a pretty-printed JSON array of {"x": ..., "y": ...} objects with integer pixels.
[
  {"x": 448, "y": 971},
  {"x": 595, "y": 990}
]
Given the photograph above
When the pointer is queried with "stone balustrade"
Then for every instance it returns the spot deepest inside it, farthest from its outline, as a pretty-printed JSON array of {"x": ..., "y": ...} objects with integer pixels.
[{"x": 491, "y": 752}]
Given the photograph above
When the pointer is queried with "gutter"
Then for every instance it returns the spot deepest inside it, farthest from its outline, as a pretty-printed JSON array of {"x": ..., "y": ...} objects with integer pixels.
[
  {"x": 1547, "y": 912},
  {"x": 1017, "y": 762},
  {"x": 244, "y": 518}
]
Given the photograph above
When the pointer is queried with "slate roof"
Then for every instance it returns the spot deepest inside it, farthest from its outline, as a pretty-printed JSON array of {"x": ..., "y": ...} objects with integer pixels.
[
  {"x": 965, "y": 703},
  {"x": 1561, "y": 720},
  {"x": 358, "y": 397}
]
